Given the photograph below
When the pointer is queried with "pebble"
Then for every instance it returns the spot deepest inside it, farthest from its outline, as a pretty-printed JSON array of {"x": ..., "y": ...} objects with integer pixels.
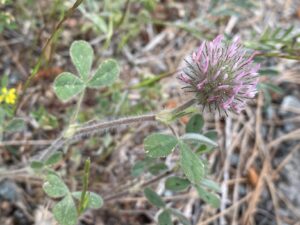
[
  {"x": 289, "y": 101},
  {"x": 8, "y": 191}
]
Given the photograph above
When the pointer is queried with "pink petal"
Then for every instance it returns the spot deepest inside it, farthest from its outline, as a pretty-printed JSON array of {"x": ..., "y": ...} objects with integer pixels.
[
  {"x": 232, "y": 50},
  {"x": 218, "y": 40},
  {"x": 239, "y": 76},
  {"x": 184, "y": 78},
  {"x": 251, "y": 57},
  {"x": 216, "y": 75},
  {"x": 194, "y": 56},
  {"x": 199, "y": 53},
  {"x": 213, "y": 98},
  {"x": 201, "y": 85},
  {"x": 206, "y": 65},
  {"x": 251, "y": 94},
  {"x": 236, "y": 89},
  {"x": 240, "y": 59},
  {"x": 222, "y": 87},
  {"x": 226, "y": 105},
  {"x": 255, "y": 68}
]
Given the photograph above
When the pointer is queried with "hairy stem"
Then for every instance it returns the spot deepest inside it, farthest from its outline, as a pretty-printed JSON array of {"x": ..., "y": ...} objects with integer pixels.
[
  {"x": 75, "y": 115},
  {"x": 91, "y": 129},
  {"x": 184, "y": 106},
  {"x": 108, "y": 124}
]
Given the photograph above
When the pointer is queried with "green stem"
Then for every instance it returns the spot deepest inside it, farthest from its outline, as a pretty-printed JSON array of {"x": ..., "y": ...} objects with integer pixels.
[
  {"x": 168, "y": 116},
  {"x": 1, "y": 133},
  {"x": 279, "y": 55},
  {"x": 82, "y": 203},
  {"x": 184, "y": 106},
  {"x": 76, "y": 112},
  {"x": 124, "y": 14}
]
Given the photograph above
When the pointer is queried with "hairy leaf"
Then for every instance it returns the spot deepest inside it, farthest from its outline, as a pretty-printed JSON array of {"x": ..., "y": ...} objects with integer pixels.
[
  {"x": 159, "y": 145},
  {"x": 82, "y": 57},
  {"x": 208, "y": 197},
  {"x": 154, "y": 198},
  {"x": 65, "y": 211},
  {"x": 198, "y": 138},
  {"x": 55, "y": 187},
  {"x": 164, "y": 218},
  {"x": 191, "y": 164},
  {"x": 195, "y": 124},
  {"x": 106, "y": 74},
  {"x": 176, "y": 183},
  {"x": 67, "y": 85},
  {"x": 95, "y": 201}
]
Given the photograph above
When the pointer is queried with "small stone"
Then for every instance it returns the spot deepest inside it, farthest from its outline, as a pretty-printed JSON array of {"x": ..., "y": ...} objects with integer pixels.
[
  {"x": 270, "y": 112},
  {"x": 8, "y": 191},
  {"x": 289, "y": 102}
]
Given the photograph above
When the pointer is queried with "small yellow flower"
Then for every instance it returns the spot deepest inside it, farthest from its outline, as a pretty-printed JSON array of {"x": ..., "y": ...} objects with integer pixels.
[{"x": 8, "y": 96}]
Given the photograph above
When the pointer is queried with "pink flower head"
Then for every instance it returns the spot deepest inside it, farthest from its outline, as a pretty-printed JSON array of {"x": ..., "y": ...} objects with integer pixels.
[{"x": 222, "y": 76}]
